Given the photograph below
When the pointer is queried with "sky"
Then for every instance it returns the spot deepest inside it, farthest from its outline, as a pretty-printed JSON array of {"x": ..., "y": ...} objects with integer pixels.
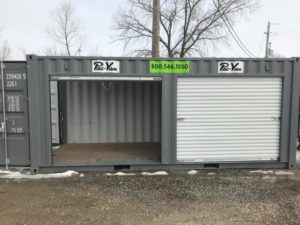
[{"x": 24, "y": 24}]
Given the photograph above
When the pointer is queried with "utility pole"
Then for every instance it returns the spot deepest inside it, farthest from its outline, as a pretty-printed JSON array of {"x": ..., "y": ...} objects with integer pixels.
[
  {"x": 268, "y": 40},
  {"x": 4, "y": 124},
  {"x": 156, "y": 28}
]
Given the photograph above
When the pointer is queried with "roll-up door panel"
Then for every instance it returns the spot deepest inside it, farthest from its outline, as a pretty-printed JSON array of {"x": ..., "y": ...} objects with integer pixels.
[{"x": 228, "y": 118}]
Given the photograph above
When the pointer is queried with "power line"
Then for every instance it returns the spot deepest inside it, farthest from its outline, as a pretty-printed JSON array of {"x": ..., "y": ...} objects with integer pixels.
[{"x": 236, "y": 37}]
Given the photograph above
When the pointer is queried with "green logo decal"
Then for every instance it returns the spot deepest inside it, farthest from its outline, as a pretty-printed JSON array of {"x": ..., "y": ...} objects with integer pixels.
[{"x": 157, "y": 66}]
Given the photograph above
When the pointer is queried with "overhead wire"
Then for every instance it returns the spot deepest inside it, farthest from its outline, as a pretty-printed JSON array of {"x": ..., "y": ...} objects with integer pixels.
[
  {"x": 241, "y": 47},
  {"x": 239, "y": 37},
  {"x": 236, "y": 37}
]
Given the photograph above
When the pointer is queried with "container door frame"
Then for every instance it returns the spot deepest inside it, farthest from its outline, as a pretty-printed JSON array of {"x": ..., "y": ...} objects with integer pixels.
[{"x": 104, "y": 77}]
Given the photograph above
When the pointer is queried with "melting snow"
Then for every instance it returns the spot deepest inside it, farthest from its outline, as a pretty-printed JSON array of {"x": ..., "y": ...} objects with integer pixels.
[
  {"x": 19, "y": 175},
  {"x": 192, "y": 172},
  {"x": 210, "y": 174},
  {"x": 284, "y": 173},
  {"x": 2, "y": 172},
  {"x": 158, "y": 173},
  {"x": 262, "y": 171},
  {"x": 272, "y": 172},
  {"x": 119, "y": 174},
  {"x": 143, "y": 173}
]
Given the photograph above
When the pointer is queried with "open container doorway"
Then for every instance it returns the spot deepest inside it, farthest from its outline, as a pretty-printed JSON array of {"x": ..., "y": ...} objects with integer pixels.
[{"x": 107, "y": 120}]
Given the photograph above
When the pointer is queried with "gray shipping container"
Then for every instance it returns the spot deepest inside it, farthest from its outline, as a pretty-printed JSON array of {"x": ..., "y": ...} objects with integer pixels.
[{"x": 98, "y": 113}]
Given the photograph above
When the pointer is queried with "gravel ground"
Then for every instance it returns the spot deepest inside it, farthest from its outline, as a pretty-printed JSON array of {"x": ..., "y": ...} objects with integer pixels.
[{"x": 209, "y": 197}]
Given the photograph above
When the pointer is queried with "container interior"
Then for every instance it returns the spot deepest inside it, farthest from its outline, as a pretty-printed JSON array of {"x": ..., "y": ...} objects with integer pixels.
[{"x": 103, "y": 122}]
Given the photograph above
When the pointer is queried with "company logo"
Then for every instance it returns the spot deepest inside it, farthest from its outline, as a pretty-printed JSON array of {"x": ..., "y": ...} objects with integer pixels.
[
  {"x": 231, "y": 67},
  {"x": 106, "y": 66}
]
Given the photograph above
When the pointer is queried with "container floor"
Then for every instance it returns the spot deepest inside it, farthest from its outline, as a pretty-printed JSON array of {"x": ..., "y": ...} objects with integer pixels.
[{"x": 108, "y": 152}]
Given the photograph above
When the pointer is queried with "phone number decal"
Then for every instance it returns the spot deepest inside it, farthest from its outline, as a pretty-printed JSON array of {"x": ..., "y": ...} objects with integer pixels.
[{"x": 179, "y": 67}]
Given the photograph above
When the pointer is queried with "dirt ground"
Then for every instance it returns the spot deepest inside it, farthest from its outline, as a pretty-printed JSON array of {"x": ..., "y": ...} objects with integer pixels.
[{"x": 222, "y": 197}]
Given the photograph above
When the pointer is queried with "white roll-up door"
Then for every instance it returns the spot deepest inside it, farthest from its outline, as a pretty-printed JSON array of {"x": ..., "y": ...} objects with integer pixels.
[{"x": 228, "y": 118}]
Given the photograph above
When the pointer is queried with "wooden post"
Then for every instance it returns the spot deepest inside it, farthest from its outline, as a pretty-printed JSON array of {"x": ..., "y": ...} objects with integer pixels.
[{"x": 156, "y": 28}]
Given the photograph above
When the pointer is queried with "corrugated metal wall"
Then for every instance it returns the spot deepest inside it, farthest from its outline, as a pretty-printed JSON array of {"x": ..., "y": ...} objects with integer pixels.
[
  {"x": 40, "y": 67},
  {"x": 106, "y": 112},
  {"x": 228, "y": 119},
  {"x": 140, "y": 66}
]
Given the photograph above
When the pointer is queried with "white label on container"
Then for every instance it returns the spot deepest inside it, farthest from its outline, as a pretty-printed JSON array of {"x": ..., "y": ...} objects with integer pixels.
[
  {"x": 13, "y": 103},
  {"x": 231, "y": 67},
  {"x": 16, "y": 76},
  {"x": 106, "y": 66}
]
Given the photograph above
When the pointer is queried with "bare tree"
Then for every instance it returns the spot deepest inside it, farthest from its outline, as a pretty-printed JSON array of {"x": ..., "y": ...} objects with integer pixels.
[
  {"x": 94, "y": 49},
  {"x": 65, "y": 31},
  {"x": 53, "y": 51},
  {"x": 188, "y": 26},
  {"x": 4, "y": 48}
]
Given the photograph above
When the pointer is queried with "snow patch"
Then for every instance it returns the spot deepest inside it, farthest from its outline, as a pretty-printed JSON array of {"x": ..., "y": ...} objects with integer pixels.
[
  {"x": 2, "y": 172},
  {"x": 119, "y": 174},
  {"x": 284, "y": 173},
  {"x": 266, "y": 172},
  {"x": 81, "y": 175},
  {"x": 18, "y": 175},
  {"x": 211, "y": 174},
  {"x": 271, "y": 179},
  {"x": 56, "y": 147},
  {"x": 298, "y": 155},
  {"x": 262, "y": 171},
  {"x": 192, "y": 172},
  {"x": 157, "y": 173}
]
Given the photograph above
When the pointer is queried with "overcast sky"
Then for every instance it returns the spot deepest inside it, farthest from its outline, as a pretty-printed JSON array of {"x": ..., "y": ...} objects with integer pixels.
[{"x": 24, "y": 25}]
